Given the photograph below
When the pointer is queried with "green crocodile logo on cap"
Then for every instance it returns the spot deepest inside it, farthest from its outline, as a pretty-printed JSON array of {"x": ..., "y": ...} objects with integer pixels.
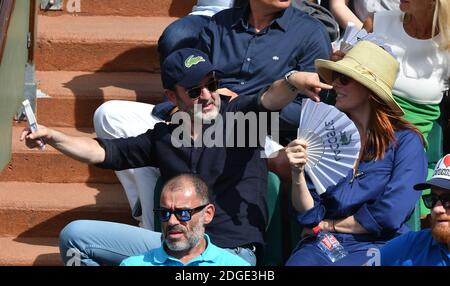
[{"x": 192, "y": 61}]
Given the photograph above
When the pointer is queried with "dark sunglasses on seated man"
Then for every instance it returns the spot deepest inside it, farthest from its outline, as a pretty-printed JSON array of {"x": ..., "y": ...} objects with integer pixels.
[
  {"x": 182, "y": 215},
  {"x": 431, "y": 200},
  {"x": 196, "y": 91}
]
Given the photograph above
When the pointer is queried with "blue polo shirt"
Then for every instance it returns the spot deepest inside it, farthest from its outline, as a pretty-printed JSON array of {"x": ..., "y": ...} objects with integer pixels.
[
  {"x": 212, "y": 256},
  {"x": 415, "y": 249},
  {"x": 251, "y": 61}
]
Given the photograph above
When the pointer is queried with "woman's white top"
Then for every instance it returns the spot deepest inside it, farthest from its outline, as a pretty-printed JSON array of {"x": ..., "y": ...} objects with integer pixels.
[
  {"x": 363, "y": 8},
  {"x": 424, "y": 68},
  {"x": 211, "y": 7}
]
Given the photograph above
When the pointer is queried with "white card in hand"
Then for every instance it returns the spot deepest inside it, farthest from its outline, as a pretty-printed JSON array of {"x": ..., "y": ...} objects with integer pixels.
[{"x": 32, "y": 122}]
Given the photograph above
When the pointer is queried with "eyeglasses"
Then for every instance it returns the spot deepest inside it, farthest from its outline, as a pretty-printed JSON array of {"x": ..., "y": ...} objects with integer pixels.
[
  {"x": 343, "y": 79},
  {"x": 181, "y": 214},
  {"x": 431, "y": 200},
  {"x": 195, "y": 92}
]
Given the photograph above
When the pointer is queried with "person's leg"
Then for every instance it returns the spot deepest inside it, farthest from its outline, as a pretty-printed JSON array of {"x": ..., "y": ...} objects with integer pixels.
[
  {"x": 359, "y": 251},
  {"x": 245, "y": 253},
  {"x": 122, "y": 119},
  {"x": 183, "y": 33},
  {"x": 94, "y": 243}
]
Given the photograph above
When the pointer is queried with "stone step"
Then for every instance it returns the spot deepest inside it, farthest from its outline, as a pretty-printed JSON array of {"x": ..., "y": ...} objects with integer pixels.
[
  {"x": 146, "y": 8},
  {"x": 42, "y": 209},
  {"x": 99, "y": 43},
  {"x": 33, "y": 251},
  {"x": 74, "y": 96},
  {"x": 50, "y": 166}
]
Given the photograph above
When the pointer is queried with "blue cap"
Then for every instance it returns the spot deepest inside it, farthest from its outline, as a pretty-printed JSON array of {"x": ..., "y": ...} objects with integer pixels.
[
  {"x": 185, "y": 67},
  {"x": 441, "y": 176}
]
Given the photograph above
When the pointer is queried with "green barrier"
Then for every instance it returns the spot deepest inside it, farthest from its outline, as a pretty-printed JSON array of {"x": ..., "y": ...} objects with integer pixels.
[
  {"x": 273, "y": 252},
  {"x": 434, "y": 154},
  {"x": 12, "y": 75},
  {"x": 414, "y": 220}
]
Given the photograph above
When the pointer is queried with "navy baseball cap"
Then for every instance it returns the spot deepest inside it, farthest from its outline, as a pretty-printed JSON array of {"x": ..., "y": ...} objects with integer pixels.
[
  {"x": 441, "y": 176},
  {"x": 185, "y": 67}
]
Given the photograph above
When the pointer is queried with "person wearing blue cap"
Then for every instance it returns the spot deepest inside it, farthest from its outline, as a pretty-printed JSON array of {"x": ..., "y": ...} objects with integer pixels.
[
  {"x": 428, "y": 247},
  {"x": 236, "y": 176},
  {"x": 253, "y": 44}
]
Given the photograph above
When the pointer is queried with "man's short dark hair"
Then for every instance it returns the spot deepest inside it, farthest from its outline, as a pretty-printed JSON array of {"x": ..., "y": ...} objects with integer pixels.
[{"x": 187, "y": 180}]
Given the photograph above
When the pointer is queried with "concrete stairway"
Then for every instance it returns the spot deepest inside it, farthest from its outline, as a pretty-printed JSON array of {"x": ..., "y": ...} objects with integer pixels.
[{"x": 106, "y": 51}]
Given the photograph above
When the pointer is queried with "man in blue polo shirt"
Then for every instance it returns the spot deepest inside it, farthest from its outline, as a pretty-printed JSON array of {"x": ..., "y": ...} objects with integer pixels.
[
  {"x": 260, "y": 43},
  {"x": 184, "y": 211},
  {"x": 429, "y": 247}
]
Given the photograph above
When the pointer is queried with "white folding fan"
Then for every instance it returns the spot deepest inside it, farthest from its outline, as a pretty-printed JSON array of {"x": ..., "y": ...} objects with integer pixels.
[{"x": 333, "y": 143}]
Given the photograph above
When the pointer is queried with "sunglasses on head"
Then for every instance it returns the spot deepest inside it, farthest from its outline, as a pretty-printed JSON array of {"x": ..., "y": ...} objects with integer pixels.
[
  {"x": 195, "y": 92},
  {"x": 431, "y": 200},
  {"x": 182, "y": 215},
  {"x": 343, "y": 79}
]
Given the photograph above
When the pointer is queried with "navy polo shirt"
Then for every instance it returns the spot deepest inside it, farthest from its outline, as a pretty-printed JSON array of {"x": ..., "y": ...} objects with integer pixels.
[
  {"x": 236, "y": 177},
  {"x": 415, "y": 249},
  {"x": 250, "y": 61}
]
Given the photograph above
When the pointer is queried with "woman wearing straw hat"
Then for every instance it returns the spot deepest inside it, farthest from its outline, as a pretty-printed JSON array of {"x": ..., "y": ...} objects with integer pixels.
[
  {"x": 419, "y": 35},
  {"x": 372, "y": 204}
]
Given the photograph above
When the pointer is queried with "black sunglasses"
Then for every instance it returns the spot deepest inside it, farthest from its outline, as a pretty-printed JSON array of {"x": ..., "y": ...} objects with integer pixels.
[
  {"x": 181, "y": 214},
  {"x": 431, "y": 200},
  {"x": 343, "y": 79},
  {"x": 195, "y": 92}
]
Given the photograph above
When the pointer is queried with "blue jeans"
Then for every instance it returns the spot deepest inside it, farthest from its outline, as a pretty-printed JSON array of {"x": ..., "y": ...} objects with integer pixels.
[
  {"x": 95, "y": 243},
  {"x": 183, "y": 33}
]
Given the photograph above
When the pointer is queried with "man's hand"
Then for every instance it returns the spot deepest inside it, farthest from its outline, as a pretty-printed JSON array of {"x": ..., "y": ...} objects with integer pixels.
[
  {"x": 280, "y": 94},
  {"x": 83, "y": 149},
  {"x": 309, "y": 84},
  {"x": 36, "y": 139}
]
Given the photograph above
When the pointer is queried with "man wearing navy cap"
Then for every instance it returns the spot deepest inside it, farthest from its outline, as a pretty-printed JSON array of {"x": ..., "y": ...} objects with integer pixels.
[
  {"x": 253, "y": 45},
  {"x": 237, "y": 177},
  {"x": 429, "y": 247}
]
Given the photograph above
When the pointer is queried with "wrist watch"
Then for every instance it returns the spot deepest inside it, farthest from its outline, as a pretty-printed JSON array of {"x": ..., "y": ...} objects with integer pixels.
[{"x": 286, "y": 80}]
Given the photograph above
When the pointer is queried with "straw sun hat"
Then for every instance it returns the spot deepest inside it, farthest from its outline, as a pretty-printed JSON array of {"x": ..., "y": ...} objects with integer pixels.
[{"x": 371, "y": 66}]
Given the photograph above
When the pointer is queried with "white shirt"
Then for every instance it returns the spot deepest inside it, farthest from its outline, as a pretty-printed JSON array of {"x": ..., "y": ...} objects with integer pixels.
[
  {"x": 365, "y": 7},
  {"x": 210, "y": 7},
  {"x": 424, "y": 68}
]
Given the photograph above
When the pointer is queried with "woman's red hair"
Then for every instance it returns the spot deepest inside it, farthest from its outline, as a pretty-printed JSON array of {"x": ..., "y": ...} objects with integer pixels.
[{"x": 383, "y": 123}]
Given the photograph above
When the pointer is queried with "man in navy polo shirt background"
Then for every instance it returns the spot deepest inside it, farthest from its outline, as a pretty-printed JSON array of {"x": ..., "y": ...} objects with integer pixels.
[
  {"x": 236, "y": 176},
  {"x": 253, "y": 46},
  {"x": 258, "y": 44},
  {"x": 429, "y": 247}
]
